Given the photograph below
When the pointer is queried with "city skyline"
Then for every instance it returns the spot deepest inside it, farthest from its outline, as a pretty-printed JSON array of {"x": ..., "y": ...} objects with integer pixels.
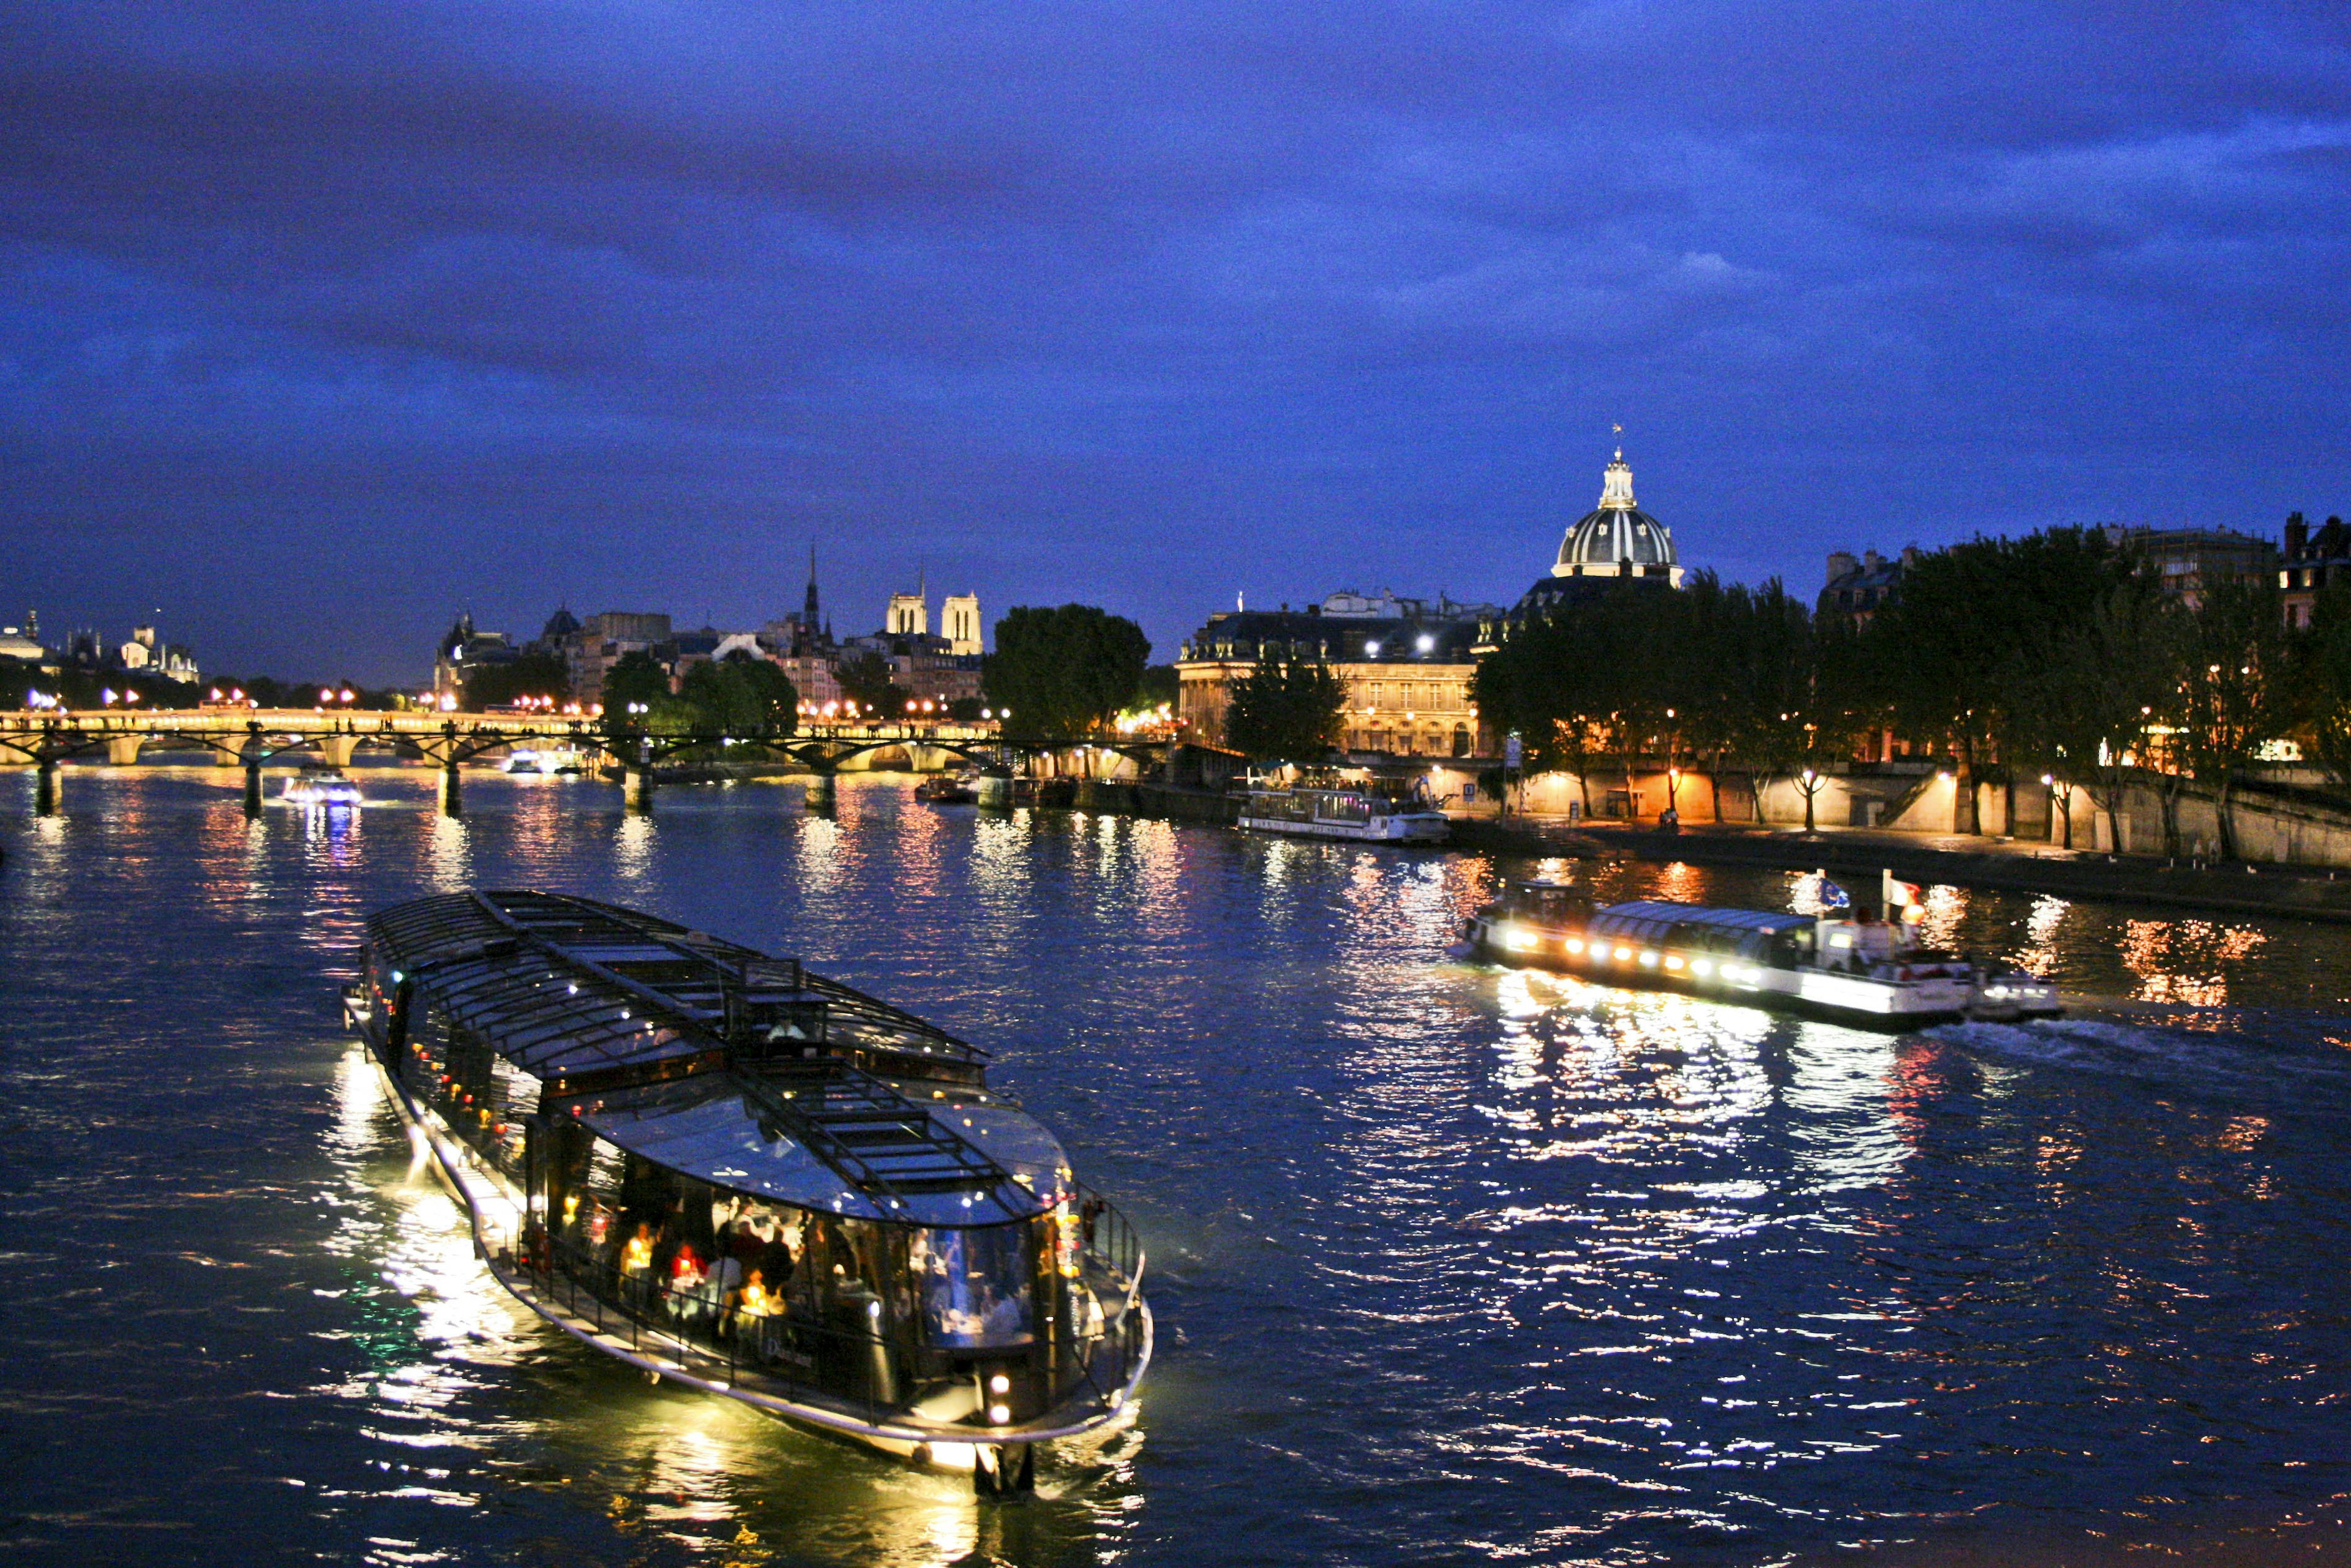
[{"x": 321, "y": 326}]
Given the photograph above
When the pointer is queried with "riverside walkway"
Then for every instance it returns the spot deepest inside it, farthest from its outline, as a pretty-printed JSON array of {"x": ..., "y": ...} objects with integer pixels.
[{"x": 2011, "y": 865}]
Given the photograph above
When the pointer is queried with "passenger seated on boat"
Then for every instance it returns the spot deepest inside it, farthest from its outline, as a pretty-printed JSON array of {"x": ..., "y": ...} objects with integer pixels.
[
  {"x": 720, "y": 1283},
  {"x": 774, "y": 1259},
  {"x": 684, "y": 1298},
  {"x": 635, "y": 1261},
  {"x": 755, "y": 1317}
]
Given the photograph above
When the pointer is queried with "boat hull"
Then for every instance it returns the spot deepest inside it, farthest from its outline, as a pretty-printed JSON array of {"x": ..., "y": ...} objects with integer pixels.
[
  {"x": 493, "y": 1212},
  {"x": 1378, "y": 831}
]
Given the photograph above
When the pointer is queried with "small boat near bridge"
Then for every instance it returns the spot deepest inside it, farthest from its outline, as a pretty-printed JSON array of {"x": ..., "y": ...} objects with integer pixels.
[{"x": 325, "y": 788}]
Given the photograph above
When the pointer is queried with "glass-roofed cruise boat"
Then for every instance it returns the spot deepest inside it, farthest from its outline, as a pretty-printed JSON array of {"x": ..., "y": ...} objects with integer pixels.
[{"x": 735, "y": 1174}]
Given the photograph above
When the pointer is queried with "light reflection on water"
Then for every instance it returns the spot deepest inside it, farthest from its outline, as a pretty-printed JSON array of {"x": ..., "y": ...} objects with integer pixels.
[{"x": 1452, "y": 1263}]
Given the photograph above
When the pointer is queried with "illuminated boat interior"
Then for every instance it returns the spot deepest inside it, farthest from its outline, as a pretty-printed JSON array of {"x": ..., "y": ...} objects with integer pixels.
[{"x": 742, "y": 1176}]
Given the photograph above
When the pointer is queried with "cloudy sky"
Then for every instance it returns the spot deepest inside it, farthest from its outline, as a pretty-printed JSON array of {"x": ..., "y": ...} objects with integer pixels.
[{"x": 319, "y": 321}]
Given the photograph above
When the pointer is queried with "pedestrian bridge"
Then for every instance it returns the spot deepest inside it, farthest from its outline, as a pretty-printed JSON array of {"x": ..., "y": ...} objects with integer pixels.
[{"x": 252, "y": 738}]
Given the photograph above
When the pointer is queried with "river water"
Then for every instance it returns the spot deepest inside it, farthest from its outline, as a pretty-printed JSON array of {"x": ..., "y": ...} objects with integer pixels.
[{"x": 1450, "y": 1264}]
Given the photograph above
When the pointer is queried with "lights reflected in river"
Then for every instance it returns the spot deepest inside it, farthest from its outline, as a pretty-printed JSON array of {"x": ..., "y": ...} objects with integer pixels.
[{"x": 2186, "y": 960}]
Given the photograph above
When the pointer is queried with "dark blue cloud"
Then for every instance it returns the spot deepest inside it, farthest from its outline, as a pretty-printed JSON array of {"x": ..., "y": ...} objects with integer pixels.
[{"x": 318, "y": 321}]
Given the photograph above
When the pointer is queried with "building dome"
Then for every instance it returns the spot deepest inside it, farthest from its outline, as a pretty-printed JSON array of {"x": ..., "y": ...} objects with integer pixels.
[
  {"x": 559, "y": 625},
  {"x": 1618, "y": 539}
]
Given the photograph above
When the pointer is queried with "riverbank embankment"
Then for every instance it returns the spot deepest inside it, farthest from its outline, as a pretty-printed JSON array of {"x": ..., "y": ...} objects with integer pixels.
[
  {"x": 2007, "y": 866},
  {"x": 1857, "y": 855}
]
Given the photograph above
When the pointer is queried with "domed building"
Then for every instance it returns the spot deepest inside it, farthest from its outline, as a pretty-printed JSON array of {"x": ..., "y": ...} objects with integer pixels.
[{"x": 1615, "y": 540}]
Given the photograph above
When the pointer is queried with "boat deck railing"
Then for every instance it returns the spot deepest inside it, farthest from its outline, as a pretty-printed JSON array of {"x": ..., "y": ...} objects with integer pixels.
[
  {"x": 789, "y": 1354},
  {"x": 839, "y": 1354}
]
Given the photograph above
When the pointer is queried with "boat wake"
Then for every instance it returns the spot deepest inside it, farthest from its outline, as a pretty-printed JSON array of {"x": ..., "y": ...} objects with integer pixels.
[{"x": 2291, "y": 1060}]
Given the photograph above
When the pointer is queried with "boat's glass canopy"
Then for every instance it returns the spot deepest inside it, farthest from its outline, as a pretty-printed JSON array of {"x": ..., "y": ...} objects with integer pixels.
[
  {"x": 713, "y": 1129},
  {"x": 1654, "y": 920},
  {"x": 718, "y": 1061}
]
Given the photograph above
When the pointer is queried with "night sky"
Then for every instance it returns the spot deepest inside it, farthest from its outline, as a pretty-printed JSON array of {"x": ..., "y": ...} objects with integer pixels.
[{"x": 320, "y": 323}]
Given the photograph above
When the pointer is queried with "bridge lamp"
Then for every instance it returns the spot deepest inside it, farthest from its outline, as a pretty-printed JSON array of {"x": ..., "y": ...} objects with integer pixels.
[
  {"x": 909, "y": 707},
  {"x": 215, "y": 696},
  {"x": 1371, "y": 649},
  {"x": 346, "y": 693},
  {"x": 1427, "y": 642},
  {"x": 326, "y": 694},
  {"x": 131, "y": 696},
  {"x": 106, "y": 697}
]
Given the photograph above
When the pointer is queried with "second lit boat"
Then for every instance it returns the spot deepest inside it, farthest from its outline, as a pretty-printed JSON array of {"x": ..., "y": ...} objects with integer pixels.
[{"x": 1869, "y": 972}]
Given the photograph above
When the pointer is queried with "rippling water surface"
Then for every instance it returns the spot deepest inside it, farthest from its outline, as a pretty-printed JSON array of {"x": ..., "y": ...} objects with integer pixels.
[{"x": 1451, "y": 1264}]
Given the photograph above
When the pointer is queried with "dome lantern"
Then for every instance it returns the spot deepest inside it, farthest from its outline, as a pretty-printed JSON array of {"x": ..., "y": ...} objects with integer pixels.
[{"x": 1618, "y": 539}]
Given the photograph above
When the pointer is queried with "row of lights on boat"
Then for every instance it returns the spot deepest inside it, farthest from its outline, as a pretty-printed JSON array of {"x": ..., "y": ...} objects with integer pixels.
[{"x": 1519, "y": 941}]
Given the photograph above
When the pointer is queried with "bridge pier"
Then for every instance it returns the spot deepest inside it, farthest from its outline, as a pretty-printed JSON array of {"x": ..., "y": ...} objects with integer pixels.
[
  {"x": 122, "y": 751},
  {"x": 252, "y": 788},
  {"x": 45, "y": 791},
  {"x": 637, "y": 787},
  {"x": 996, "y": 789},
  {"x": 336, "y": 749},
  {"x": 823, "y": 791},
  {"x": 452, "y": 791}
]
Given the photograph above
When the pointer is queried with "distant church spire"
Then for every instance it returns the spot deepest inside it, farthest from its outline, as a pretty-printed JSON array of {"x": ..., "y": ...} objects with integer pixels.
[{"x": 808, "y": 613}]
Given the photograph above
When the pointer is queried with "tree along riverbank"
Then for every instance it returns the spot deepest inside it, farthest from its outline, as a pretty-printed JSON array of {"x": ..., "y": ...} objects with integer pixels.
[{"x": 2232, "y": 889}]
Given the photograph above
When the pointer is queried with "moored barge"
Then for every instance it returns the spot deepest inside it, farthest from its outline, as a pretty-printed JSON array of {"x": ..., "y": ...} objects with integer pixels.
[
  {"x": 1873, "y": 973},
  {"x": 1357, "y": 816},
  {"x": 743, "y": 1176}
]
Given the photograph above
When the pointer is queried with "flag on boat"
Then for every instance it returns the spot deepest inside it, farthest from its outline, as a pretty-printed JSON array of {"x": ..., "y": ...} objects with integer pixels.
[
  {"x": 1906, "y": 896},
  {"x": 1832, "y": 895}
]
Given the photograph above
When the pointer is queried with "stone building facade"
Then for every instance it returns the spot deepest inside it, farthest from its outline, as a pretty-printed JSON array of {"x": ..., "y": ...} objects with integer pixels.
[{"x": 1407, "y": 678}]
